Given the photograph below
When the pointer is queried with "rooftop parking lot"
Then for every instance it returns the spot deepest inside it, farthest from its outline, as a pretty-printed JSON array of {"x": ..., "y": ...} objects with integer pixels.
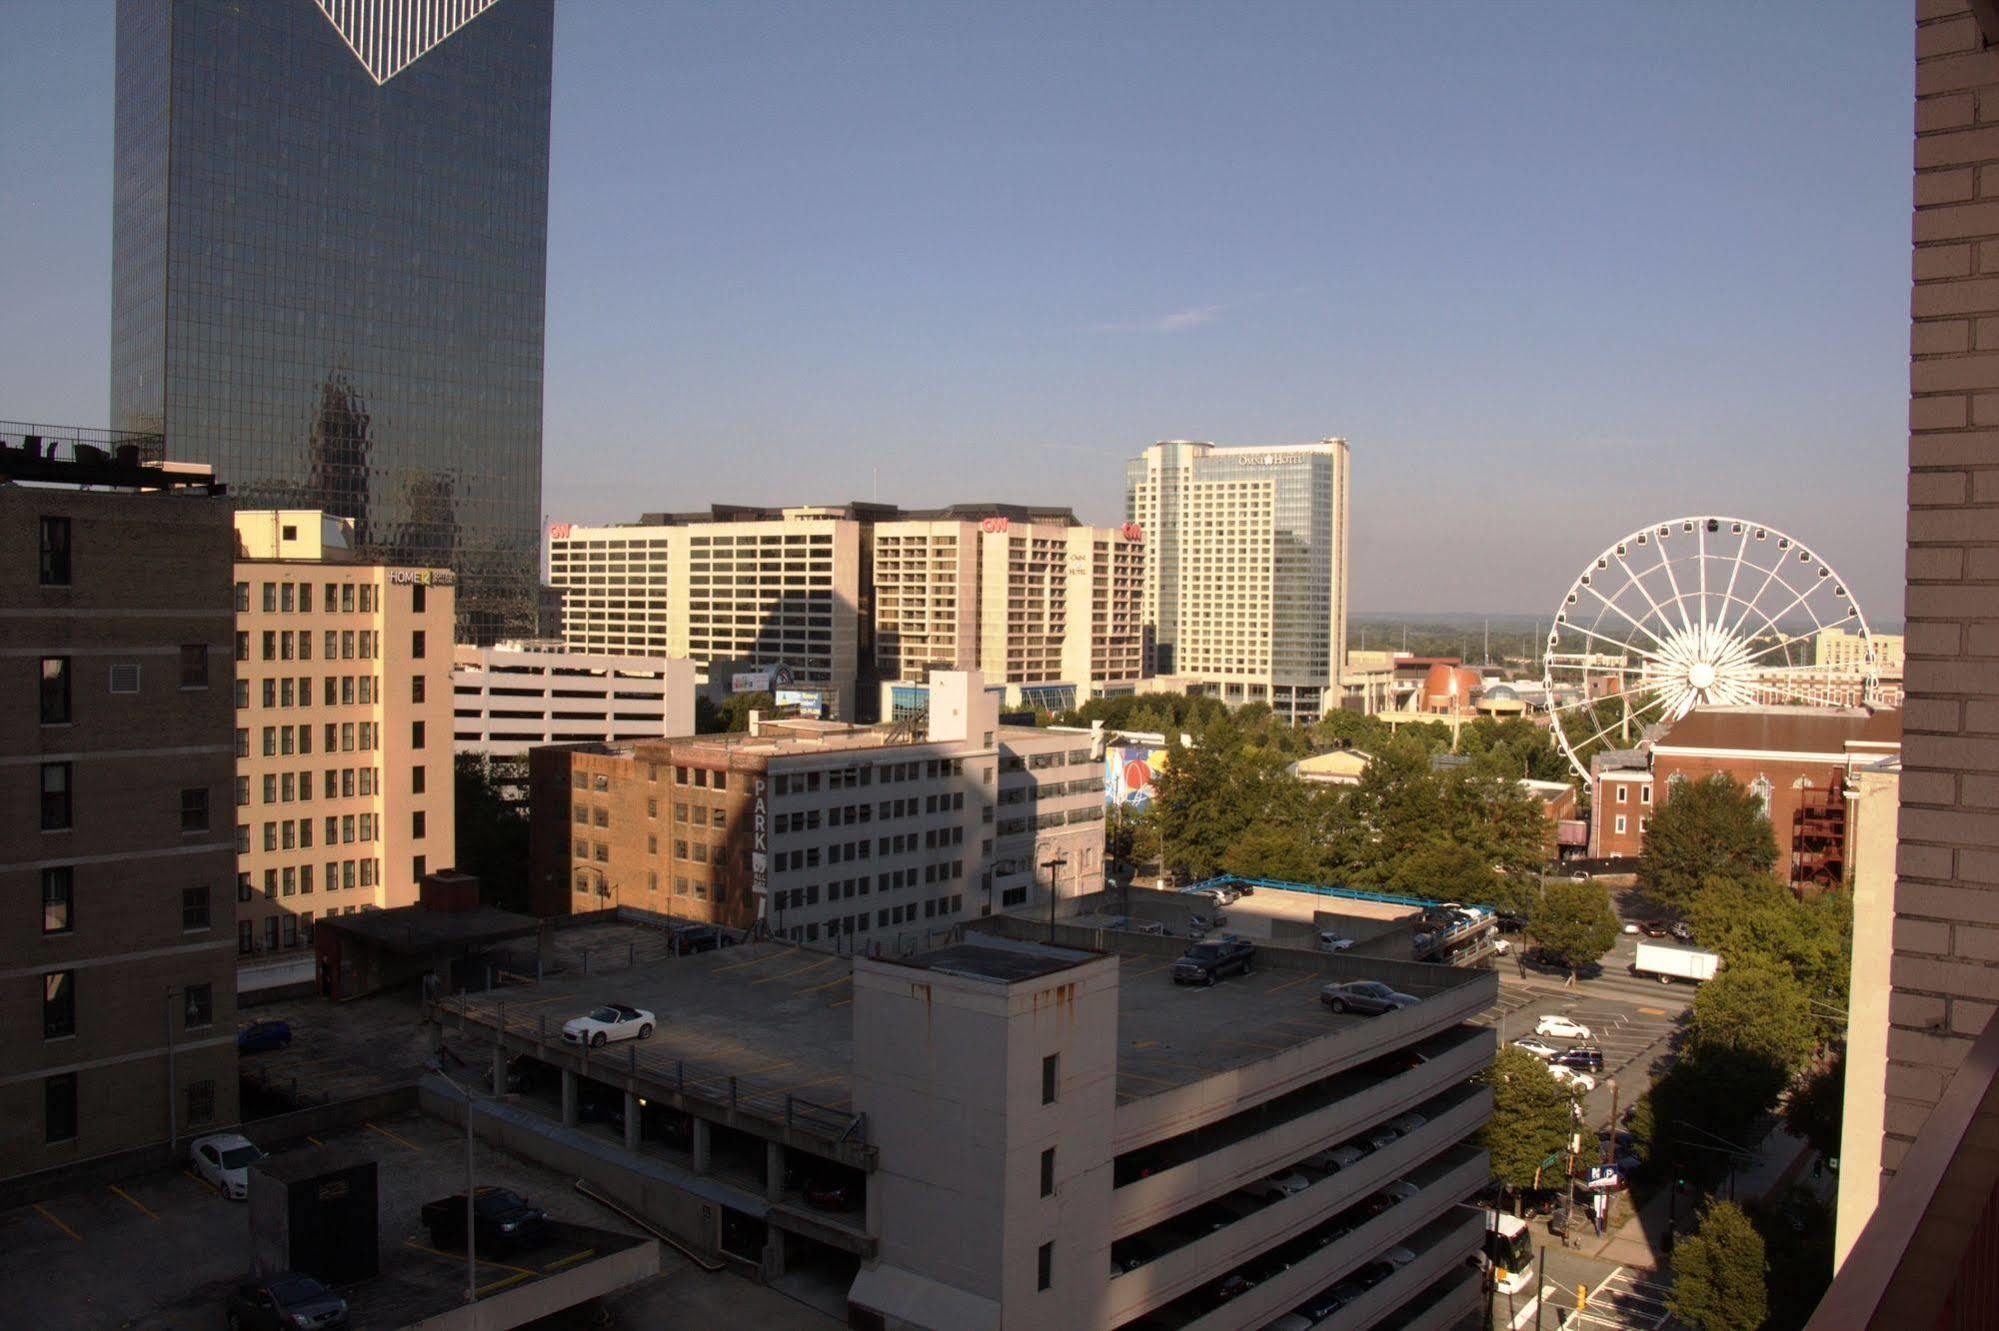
[{"x": 163, "y": 1251}]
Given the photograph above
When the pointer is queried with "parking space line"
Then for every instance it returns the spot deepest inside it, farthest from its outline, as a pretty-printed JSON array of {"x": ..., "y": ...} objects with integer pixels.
[
  {"x": 747, "y": 961},
  {"x": 57, "y": 1223},
  {"x": 843, "y": 1002},
  {"x": 459, "y": 1257},
  {"x": 1306, "y": 978},
  {"x": 504, "y": 1281},
  {"x": 394, "y": 1137},
  {"x": 573, "y": 1257},
  {"x": 1152, "y": 970},
  {"x": 202, "y": 1182},
  {"x": 143, "y": 1209},
  {"x": 844, "y": 979},
  {"x": 802, "y": 970},
  {"x": 314, "y": 1140}
]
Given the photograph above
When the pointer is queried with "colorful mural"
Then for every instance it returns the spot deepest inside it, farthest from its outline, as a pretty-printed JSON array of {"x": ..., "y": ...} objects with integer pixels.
[{"x": 1129, "y": 771}]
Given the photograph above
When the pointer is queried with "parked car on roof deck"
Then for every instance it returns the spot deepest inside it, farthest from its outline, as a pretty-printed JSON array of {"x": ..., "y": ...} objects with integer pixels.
[
  {"x": 1206, "y": 961},
  {"x": 613, "y": 1021},
  {"x": 262, "y": 1036},
  {"x": 1562, "y": 1028},
  {"x": 1536, "y": 1047},
  {"x": 504, "y": 1218},
  {"x": 287, "y": 1301},
  {"x": 223, "y": 1159},
  {"x": 1366, "y": 996}
]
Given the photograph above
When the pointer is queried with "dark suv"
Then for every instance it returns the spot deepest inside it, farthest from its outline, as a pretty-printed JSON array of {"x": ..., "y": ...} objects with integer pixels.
[
  {"x": 1587, "y": 1058},
  {"x": 504, "y": 1219},
  {"x": 697, "y": 938},
  {"x": 1208, "y": 961}
]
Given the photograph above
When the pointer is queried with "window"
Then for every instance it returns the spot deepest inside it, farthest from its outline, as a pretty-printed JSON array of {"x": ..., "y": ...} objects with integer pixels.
[
  {"x": 55, "y": 690},
  {"x": 55, "y": 797},
  {"x": 417, "y": 867},
  {"x": 1044, "y": 1266},
  {"x": 1620, "y": 822},
  {"x": 416, "y": 643},
  {"x": 416, "y": 734},
  {"x": 416, "y": 688},
  {"x": 418, "y": 600},
  {"x": 200, "y": 1101},
  {"x": 194, "y": 665},
  {"x": 1049, "y": 1066},
  {"x": 416, "y": 780},
  {"x": 55, "y": 557},
  {"x": 416, "y": 825},
  {"x": 59, "y": 1108},
  {"x": 246, "y": 938},
  {"x": 58, "y": 1004},
  {"x": 1623, "y": 793},
  {"x": 242, "y": 597},
  {"x": 193, "y": 908},
  {"x": 194, "y": 809},
  {"x": 58, "y": 899},
  {"x": 1048, "y": 1172},
  {"x": 1644, "y": 794},
  {"x": 199, "y": 1007}
]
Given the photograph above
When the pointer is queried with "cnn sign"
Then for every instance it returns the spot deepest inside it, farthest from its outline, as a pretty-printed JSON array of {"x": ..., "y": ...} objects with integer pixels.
[{"x": 995, "y": 524}]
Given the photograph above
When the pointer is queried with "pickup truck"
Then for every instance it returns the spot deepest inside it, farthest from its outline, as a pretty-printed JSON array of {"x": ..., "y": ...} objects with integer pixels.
[
  {"x": 505, "y": 1219},
  {"x": 1674, "y": 963},
  {"x": 1205, "y": 961}
]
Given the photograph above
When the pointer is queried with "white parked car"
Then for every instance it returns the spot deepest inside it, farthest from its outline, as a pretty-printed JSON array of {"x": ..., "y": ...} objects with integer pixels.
[
  {"x": 1578, "y": 1081},
  {"x": 224, "y": 1159},
  {"x": 1562, "y": 1028},
  {"x": 1279, "y": 1185},
  {"x": 1631, "y": 928},
  {"x": 1332, "y": 942},
  {"x": 1538, "y": 1048},
  {"x": 613, "y": 1021}
]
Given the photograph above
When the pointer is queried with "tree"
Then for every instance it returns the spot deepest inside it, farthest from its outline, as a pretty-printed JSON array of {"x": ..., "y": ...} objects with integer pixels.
[
  {"x": 1816, "y": 1107},
  {"x": 1797, "y": 1230},
  {"x": 1444, "y": 872},
  {"x": 1756, "y": 1010},
  {"x": 1531, "y": 1119},
  {"x": 1758, "y": 921},
  {"x": 491, "y": 834},
  {"x": 1574, "y": 922},
  {"x": 1719, "y": 1273},
  {"x": 1697, "y": 1119},
  {"x": 1704, "y": 829}
]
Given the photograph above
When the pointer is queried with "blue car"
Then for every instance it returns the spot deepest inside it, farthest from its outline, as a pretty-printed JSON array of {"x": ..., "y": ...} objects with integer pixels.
[{"x": 262, "y": 1036}]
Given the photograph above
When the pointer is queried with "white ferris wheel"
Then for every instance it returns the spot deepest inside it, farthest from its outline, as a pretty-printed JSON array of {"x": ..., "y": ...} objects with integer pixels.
[{"x": 1699, "y": 612}]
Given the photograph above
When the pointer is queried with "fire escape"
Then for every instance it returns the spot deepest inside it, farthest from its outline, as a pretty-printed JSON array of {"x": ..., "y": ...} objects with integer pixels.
[{"x": 1818, "y": 839}]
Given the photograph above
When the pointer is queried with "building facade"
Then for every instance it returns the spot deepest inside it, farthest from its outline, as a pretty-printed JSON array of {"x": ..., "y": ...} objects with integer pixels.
[
  {"x": 344, "y": 789},
  {"x": 358, "y": 327},
  {"x": 514, "y": 696},
  {"x": 819, "y": 831},
  {"x": 117, "y": 992},
  {"x": 1246, "y": 581},
  {"x": 1049, "y": 610}
]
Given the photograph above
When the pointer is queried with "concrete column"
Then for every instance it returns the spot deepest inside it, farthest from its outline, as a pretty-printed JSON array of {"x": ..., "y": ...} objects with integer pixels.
[
  {"x": 701, "y": 1146},
  {"x": 631, "y": 1120},
  {"x": 773, "y": 1262},
  {"x": 773, "y": 1172},
  {"x": 568, "y": 1098},
  {"x": 872, "y": 1194},
  {"x": 499, "y": 1069}
]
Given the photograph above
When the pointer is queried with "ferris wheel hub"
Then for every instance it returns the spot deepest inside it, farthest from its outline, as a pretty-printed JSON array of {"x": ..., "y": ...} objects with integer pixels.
[{"x": 1701, "y": 675}]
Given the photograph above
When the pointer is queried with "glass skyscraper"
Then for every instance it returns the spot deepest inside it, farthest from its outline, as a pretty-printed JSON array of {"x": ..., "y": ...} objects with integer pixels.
[{"x": 330, "y": 249}]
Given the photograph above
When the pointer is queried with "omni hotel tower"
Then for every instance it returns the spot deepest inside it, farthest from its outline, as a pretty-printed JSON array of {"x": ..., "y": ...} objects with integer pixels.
[{"x": 330, "y": 242}]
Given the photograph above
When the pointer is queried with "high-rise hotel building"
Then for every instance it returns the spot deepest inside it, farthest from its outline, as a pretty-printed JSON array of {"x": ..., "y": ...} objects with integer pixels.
[
  {"x": 344, "y": 795},
  {"x": 329, "y": 257},
  {"x": 848, "y": 597},
  {"x": 1246, "y": 575}
]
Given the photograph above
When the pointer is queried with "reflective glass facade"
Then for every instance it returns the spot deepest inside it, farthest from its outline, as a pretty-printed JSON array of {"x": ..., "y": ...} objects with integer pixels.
[{"x": 333, "y": 289}]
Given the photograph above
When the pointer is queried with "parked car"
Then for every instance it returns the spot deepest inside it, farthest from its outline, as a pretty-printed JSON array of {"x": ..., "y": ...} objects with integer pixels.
[
  {"x": 1398, "y": 1256},
  {"x": 1207, "y": 961},
  {"x": 833, "y": 1194},
  {"x": 1324, "y": 1304},
  {"x": 1279, "y": 1185},
  {"x": 1655, "y": 928},
  {"x": 1382, "y": 1138},
  {"x": 504, "y": 1219},
  {"x": 1230, "y": 1287},
  {"x": 260, "y": 1037},
  {"x": 1631, "y": 926},
  {"x": 1682, "y": 931},
  {"x": 1579, "y": 1081},
  {"x": 1510, "y": 923},
  {"x": 284, "y": 1302},
  {"x": 1373, "y": 1274},
  {"x": 1291, "y": 1321},
  {"x": 1401, "y": 1190},
  {"x": 1538, "y": 1048},
  {"x": 1562, "y": 1028},
  {"x": 1364, "y": 996},
  {"x": 223, "y": 1159},
  {"x": 1332, "y": 942},
  {"x": 1336, "y": 1159},
  {"x": 1407, "y": 1123},
  {"x": 688, "y": 938},
  {"x": 1584, "y": 1058},
  {"x": 613, "y": 1021}
]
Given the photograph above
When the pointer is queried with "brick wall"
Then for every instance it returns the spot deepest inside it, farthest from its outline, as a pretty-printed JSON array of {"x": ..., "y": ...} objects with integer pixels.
[{"x": 1947, "y": 894}]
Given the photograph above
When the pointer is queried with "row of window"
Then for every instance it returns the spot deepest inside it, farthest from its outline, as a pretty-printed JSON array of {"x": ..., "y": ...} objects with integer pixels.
[
  {"x": 341, "y": 875},
  {"x": 340, "y": 783},
  {"x": 288, "y": 597},
  {"x": 59, "y": 907},
  {"x": 55, "y": 694},
  {"x": 58, "y": 802},
  {"x": 197, "y": 1004},
  {"x": 336, "y": 691}
]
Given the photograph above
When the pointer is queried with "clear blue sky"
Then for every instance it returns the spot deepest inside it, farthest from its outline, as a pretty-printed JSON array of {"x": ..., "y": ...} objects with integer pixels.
[{"x": 1556, "y": 270}]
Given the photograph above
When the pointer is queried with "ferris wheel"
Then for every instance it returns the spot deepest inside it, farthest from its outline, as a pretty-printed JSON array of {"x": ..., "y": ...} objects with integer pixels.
[{"x": 1700, "y": 612}]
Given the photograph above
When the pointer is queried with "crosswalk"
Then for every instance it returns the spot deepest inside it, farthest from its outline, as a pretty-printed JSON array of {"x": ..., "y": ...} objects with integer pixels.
[{"x": 1624, "y": 1300}]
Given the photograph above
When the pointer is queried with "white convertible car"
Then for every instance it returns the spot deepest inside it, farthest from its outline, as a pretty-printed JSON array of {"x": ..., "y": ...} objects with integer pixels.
[{"x": 613, "y": 1021}]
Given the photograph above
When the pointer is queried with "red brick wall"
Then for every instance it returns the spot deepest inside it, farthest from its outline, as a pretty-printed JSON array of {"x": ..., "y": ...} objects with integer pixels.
[{"x": 1947, "y": 893}]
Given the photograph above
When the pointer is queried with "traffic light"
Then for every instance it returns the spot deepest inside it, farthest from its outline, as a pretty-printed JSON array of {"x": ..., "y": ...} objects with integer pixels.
[{"x": 1582, "y": 1297}]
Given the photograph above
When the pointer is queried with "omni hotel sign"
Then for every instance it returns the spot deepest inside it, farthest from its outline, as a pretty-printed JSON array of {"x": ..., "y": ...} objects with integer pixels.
[{"x": 423, "y": 577}]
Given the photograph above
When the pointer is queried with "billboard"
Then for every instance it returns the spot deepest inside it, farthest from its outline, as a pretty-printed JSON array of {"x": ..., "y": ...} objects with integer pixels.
[
  {"x": 806, "y": 701},
  {"x": 760, "y": 681},
  {"x": 1129, "y": 770}
]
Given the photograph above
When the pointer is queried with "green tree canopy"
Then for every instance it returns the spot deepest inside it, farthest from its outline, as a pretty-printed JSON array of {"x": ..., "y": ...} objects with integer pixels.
[
  {"x": 492, "y": 834},
  {"x": 1757, "y": 921},
  {"x": 1574, "y": 922},
  {"x": 1704, "y": 1109},
  {"x": 1531, "y": 1119},
  {"x": 1755, "y": 1009},
  {"x": 1719, "y": 1273},
  {"x": 1816, "y": 1106},
  {"x": 1704, "y": 829}
]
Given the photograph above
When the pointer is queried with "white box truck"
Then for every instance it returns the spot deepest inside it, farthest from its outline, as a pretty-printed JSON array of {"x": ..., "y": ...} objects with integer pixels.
[{"x": 1675, "y": 963}]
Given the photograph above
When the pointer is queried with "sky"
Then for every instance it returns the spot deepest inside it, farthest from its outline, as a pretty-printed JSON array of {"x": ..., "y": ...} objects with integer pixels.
[{"x": 1556, "y": 271}]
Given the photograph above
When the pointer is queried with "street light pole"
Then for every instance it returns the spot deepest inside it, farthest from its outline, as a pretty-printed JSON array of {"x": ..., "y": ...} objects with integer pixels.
[
  {"x": 1054, "y": 867},
  {"x": 173, "y": 1115},
  {"x": 471, "y": 1216}
]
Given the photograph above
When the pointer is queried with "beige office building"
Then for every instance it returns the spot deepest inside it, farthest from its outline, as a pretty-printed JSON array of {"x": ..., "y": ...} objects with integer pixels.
[
  {"x": 1246, "y": 576},
  {"x": 344, "y": 794},
  {"x": 739, "y": 591},
  {"x": 1049, "y": 610}
]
